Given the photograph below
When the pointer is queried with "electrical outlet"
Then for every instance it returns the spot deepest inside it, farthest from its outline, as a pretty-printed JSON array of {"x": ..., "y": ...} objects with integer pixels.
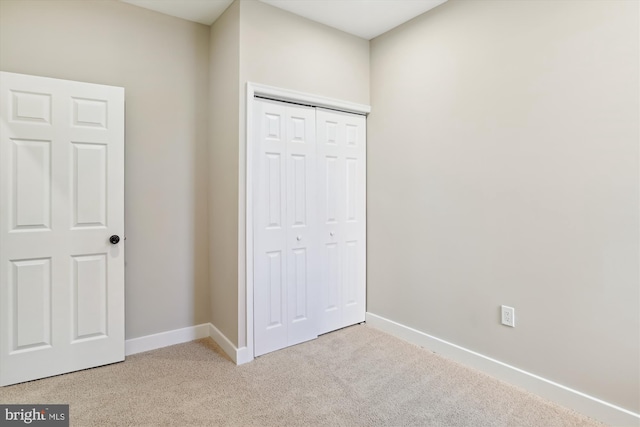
[{"x": 508, "y": 315}]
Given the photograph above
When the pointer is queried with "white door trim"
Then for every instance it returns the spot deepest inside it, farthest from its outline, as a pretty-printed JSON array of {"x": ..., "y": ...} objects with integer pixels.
[{"x": 245, "y": 200}]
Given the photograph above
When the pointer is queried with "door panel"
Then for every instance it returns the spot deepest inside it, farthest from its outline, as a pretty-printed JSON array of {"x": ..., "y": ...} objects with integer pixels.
[
  {"x": 299, "y": 177},
  {"x": 284, "y": 192},
  {"x": 351, "y": 186},
  {"x": 301, "y": 240},
  {"x": 351, "y": 273},
  {"x": 270, "y": 306},
  {"x": 31, "y": 184},
  {"x": 275, "y": 289},
  {"x": 30, "y": 107},
  {"x": 300, "y": 286},
  {"x": 61, "y": 197},
  {"x": 331, "y": 279},
  {"x": 90, "y": 296},
  {"x": 30, "y": 304},
  {"x": 331, "y": 189},
  {"x": 342, "y": 175},
  {"x": 89, "y": 184},
  {"x": 274, "y": 185},
  {"x": 354, "y": 302}
]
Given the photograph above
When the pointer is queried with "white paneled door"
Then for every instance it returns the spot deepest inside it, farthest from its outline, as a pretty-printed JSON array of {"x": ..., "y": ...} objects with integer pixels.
[
  {"x": 342, "y": 210},
  {"x": 61, "y": 216},
  {"x": 309, "y": 223},
  {"x": 285, "y": 276}
]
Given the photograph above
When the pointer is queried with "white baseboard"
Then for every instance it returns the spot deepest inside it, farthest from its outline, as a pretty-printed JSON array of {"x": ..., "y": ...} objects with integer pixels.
[
  {"x": 165, "y": 339},
  {"x": 562, "y": 395},
  {"x": 238, "y": 355},
  {"x": 179, "y": 336},
  {"x": 244, "y": 356}
]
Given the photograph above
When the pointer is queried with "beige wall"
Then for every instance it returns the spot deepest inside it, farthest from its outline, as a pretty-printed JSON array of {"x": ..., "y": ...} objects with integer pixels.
[
  {"x": 503, "y": 169},
  {"x": 223, "y": 170},
  {"x": 162, "y": 62},
  {"x": 280, "y": 49},
  {"x": 285, "y": 50}
]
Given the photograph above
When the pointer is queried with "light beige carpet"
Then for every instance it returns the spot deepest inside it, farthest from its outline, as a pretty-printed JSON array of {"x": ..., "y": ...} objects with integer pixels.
[{"x": 357, "y": 376}]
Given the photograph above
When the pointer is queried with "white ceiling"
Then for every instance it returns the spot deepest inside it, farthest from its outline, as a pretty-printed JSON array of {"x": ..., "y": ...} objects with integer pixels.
[{"x": 363, "y": 18}]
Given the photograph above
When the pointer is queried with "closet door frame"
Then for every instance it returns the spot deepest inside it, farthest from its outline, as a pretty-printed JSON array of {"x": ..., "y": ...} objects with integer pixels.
[{"x": 245, "y": 350}]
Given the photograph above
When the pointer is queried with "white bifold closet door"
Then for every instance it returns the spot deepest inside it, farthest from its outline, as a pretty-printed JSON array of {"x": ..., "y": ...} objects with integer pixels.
[
  {"x": 285, "y": 249},
  {"x": 342, "y": 188},
  {"x": 309, "y": 223}
]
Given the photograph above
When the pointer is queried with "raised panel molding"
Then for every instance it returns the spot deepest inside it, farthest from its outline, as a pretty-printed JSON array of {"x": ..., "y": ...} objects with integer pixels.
[
  {"x": 274, "y": 166},
  {"x": 300, "y": 284},
  {"x": 351, "y": 273},
  {"x": 30, "y": 107},
  {"x": 89, "y": 185},
  {"x": 89, "y": 296},
  {"x": 352, "y": 135},
  {"x": 299, "y": 189},
  {"x": 352, "y": 189},
  {"x": 90, "y": 113},
  {"x": 274, "y": 287},
  {"x": 332, "y": 132},
  {"x": 31, "y": 186},
  {"x": 331, "y": 199},
  {"x": 333, "y": 277},
  {"x": 31, "y": 304},
  {"x": 298, "y": 129},
  {"x": 273, "y": 127}
]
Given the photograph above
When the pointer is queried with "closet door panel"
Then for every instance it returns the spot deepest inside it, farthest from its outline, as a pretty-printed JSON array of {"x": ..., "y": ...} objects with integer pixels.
[
  {"x": 270, "y": 228},
  {"x": 342, "y": 175},
  {"x": 285, "y": 247},
  {"x": 330, "y": 196},
  {"x": 301, "y": 218},
  {"x": 354, "y": 257}
]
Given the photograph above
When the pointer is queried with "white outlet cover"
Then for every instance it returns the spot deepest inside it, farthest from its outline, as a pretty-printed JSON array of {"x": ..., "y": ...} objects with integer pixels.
[{"x": 508, "y": 316}]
